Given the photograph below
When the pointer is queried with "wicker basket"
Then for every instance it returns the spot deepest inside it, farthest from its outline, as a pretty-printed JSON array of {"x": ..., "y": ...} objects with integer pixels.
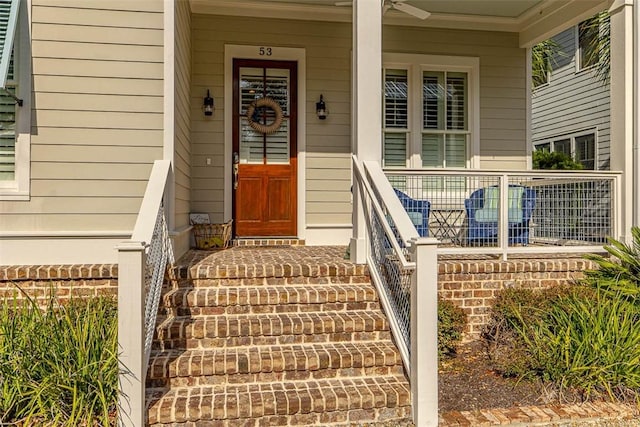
[{"x": 212, "y": 236}]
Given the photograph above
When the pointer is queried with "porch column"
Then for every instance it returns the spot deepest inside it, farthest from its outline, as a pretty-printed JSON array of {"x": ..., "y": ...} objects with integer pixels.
[
  {"x": 624, "y": 150},
  {"x": 366, "y": 99}
]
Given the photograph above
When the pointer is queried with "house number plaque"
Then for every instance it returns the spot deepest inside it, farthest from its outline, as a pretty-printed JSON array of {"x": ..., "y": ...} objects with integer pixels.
[{"x": 265, "y": 51}]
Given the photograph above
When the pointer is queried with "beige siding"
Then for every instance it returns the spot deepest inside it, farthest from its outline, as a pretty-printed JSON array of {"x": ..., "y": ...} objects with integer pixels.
[
  {"x": 97, "y": 114},
  {"x": 328, "y": 59},
  {"x": 182, "y": 158}
]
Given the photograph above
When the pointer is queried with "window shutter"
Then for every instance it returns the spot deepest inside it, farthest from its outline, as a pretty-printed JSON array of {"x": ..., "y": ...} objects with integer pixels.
[
  {"x": 7, "y": 138},
  {"x": 432, "y": 100},
  {"x": 8, "y": 20},
  {"x": 395, "y": 99},
  {"x": 456, "y": 101},
  {"x": 395, "y": 149}
]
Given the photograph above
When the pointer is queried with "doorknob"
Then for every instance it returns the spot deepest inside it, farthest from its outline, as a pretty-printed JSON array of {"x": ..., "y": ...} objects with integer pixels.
[{"x": 236, "y": 160}]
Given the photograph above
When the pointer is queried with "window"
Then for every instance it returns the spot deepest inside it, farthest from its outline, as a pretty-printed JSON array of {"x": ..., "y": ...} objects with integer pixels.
[
  {"x": 581, "y": 147},
  {"x": 429, "y": 111},
  {"x": 588, "y": 35},
  {"x": 14, "y": 118}
]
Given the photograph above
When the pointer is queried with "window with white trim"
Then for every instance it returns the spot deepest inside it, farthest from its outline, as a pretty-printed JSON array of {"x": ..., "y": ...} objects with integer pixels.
[
  {"x": 14, "y": 117},
  {"x": 429, "y": 111},
  {"x": 581, "y": 147}
]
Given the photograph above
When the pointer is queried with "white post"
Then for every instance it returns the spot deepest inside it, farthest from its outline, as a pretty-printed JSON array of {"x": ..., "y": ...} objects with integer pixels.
[
  {"x": 131, "y": 273},
  {"x": 503, "y": 216},
  {"x": 622, "y": 117},
  {"x": 367, "y": 109},
  {"x": 424, "y": 332}
]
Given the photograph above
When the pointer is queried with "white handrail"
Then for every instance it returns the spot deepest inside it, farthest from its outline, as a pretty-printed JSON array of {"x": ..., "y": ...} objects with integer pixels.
[{"x": 142, "y": 262}]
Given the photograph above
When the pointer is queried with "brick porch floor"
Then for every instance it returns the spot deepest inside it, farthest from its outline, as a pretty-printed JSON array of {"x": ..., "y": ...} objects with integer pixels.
[{"x": 252, "y": 264}]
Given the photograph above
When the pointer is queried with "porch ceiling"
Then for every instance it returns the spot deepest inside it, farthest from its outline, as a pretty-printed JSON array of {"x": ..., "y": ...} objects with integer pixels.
[{"x": 534, "y": 20}]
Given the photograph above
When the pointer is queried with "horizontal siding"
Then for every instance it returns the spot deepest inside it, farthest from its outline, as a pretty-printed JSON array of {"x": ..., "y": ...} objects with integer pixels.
[
  {"x": 97, "y": 117},
  {"x": 572, "y": 101}
]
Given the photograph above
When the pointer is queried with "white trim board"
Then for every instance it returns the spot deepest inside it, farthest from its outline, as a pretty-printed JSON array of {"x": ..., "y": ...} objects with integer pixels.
[
  {"x": 59, "y": 250},
  {"x": 277, "y": 54}
]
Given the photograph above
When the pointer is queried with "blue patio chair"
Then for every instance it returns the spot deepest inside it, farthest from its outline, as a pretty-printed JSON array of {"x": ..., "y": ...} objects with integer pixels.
[
  {"x": 482, "y": 214},
  {"x": 418, "y": 211}
]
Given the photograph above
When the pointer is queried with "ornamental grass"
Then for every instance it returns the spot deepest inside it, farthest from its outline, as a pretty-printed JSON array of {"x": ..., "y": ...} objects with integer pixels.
[{"x": 59, "y": 365}]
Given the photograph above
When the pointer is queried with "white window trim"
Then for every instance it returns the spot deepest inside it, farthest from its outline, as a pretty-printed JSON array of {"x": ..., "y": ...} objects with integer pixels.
[
  {"x": 572, "y": 138},
  {"x": 415, "y": 64},
  {"x": 19, "y": 188}
]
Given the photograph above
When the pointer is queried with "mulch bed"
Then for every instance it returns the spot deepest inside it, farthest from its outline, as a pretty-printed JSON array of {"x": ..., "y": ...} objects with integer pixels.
[{"x": 468, "y": 382}]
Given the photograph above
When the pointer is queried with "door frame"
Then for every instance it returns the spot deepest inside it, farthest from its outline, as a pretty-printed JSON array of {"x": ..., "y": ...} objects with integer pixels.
[{"x": 275, "y": 53}]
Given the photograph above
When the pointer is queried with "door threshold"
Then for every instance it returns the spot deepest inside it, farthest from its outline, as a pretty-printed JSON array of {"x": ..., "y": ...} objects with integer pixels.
[{"x": 267, "y": 241}]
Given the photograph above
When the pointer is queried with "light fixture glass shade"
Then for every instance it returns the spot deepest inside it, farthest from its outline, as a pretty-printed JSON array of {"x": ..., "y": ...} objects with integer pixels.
[{"x": 208, "y": 105}]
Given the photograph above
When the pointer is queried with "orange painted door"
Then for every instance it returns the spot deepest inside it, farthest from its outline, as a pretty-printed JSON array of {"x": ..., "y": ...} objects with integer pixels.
[{"x": 264, "y": 148}]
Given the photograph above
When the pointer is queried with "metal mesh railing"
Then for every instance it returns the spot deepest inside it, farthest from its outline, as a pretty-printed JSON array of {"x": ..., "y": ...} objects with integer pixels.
[
  {"x": 388, "y": 254},
  {"x": 499, "y": 211},
  {"x": 159, "y": 256}
]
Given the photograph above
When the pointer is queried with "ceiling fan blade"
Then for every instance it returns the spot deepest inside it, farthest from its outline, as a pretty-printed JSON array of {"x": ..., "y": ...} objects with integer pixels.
[
  {"x": 343, "y": 3},
  {"x": 385, "y": 7},
  {"x": 411, "y": 10}
]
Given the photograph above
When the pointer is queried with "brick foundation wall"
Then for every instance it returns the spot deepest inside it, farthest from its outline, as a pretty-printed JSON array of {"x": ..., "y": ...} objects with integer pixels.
[
  {"x": 474, "y": 284},
  {"x": 64, "y": 281}
]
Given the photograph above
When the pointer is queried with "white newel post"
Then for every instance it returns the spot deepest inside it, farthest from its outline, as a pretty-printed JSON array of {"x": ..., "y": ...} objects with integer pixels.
[
  {"x": 367, "y": 109},
  {"x": 424, "y": 331},
  {"x": 131, "y": 274}
]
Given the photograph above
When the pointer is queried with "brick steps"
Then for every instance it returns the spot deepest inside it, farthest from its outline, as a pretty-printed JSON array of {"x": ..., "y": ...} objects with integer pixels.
[
  {"x": 241, "y": 401},
  {"x": 274, "y": 342},
  {"x": 274, "y": 363}
]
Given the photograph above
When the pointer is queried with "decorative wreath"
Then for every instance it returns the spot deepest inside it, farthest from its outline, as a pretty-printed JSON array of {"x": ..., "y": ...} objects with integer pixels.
[{"x": 269, "y": 103}]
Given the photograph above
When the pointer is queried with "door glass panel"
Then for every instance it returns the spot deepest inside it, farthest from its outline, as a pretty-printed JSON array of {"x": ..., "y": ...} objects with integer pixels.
[
  {"x": 257, "y": 147},
  {"x": 277, "y": 143},
  {"x": 251, "y": 141}
]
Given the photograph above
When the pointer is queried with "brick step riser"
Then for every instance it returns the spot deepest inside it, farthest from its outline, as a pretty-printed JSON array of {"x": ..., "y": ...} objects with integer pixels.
[
  {"x": 274, "y": 359},
  {"x": 209, "y": 343},
  {"x": 241, "y": 271},
  {"x": 369, "y": 417},
  {"x": 289, "y": 376},
  {"x": 273, "y": 309},
  {"x": 256, "y": 326},
  {"x": 270, "y": 295},
  {"x": 216, "y": 282},
  {"x": 227, "y": 401}
]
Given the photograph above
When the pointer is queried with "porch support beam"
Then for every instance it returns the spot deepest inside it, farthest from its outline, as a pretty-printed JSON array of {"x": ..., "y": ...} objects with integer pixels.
[
  {"x": 367, "y": 111},
  {"x": 623, "y": 148}
]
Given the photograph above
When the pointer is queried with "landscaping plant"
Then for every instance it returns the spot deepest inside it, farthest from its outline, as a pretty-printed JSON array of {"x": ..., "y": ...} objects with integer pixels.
[
  {"x": 451, "y": 323},
  {"x": 59, "y": 366},
  {"x": 582, "y": 337}
]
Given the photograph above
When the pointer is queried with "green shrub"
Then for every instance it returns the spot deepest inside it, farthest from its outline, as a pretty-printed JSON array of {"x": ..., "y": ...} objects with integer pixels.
[
  {"x": 451, "y": 323},
  {"x": 554, "y": 160},
  {"x": 573, "y": 337},
  {"x": 619, "y": 275},
  {"x": 59, "y": 366}
]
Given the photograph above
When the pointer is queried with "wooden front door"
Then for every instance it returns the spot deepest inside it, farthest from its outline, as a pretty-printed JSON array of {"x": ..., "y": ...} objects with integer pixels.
[{"x": 264, "y": 152}]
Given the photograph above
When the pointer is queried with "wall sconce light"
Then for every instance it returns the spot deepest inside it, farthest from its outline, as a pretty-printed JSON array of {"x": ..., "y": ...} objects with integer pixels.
[
  {"x": 207, "y": 106},
  {"x": 321, "y": 109}
]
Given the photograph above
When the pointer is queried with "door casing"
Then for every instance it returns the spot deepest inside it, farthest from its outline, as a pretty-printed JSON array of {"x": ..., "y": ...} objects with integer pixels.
[{"x": 278, "y": 54}]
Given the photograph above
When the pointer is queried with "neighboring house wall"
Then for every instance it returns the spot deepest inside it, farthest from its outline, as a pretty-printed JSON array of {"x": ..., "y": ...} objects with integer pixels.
[
  {"x": 328, "y": 68},
  {"x": 182, "y": 124},
  {"x": 97, "y": 124},
  {"x": 573, "y": 102}
]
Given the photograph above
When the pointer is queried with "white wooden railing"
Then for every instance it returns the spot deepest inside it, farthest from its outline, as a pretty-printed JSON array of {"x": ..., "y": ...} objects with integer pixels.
[
  {"x": 142, "y": 263},
  {"x": 404, "y": 269}
]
